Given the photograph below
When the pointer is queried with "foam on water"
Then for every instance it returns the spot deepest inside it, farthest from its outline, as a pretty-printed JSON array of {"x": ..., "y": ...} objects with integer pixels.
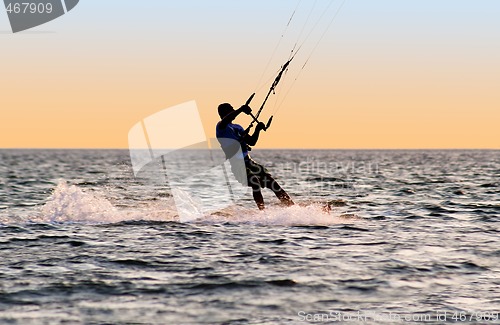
[
  {"x": 69, "y": 203},
  {"x": 297, "y": 215}
]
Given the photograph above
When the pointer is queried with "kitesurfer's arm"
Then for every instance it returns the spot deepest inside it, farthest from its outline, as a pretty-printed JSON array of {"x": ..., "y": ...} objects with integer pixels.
[
  {"x": 231, "y": 116},
  {"x": 251, "y": 140}
]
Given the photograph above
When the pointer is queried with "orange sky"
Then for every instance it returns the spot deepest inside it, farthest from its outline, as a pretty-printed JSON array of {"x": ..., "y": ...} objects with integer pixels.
[{"x": 376, "y": 83}]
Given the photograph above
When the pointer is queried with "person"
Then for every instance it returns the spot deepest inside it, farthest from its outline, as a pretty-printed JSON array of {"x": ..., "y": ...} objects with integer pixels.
[{"x": 257, "y": 176}]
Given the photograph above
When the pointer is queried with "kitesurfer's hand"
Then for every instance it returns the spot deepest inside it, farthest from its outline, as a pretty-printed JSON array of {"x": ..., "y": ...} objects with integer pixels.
[
  {"x": 260, "y": 126},
  {"x": 246, "y": 109}
]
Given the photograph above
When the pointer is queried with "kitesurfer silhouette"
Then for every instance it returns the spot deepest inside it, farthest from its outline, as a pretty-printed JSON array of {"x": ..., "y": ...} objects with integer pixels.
[{"x": 257, "y": 176}]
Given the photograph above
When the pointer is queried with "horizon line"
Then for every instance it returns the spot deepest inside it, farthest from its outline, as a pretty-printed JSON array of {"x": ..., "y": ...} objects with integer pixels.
[{"x": 338, "y": 149}]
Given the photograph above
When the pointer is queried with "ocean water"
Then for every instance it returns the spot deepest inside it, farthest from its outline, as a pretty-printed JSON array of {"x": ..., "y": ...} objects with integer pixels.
[{"x": 412, "y": 237}]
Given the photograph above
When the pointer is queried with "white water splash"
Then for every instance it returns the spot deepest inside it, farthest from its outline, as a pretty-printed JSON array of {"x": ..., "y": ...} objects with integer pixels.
[
  {"x": 69, "y": 203},
  {"x": 297, "y": 215}
]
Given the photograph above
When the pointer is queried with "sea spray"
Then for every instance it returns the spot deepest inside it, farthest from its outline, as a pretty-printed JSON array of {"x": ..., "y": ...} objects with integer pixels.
[{"x": 69, "y": 203}]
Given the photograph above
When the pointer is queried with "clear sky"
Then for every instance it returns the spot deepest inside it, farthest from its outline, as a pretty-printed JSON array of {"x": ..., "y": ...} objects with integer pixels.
[{"x": 387, "y": 74}]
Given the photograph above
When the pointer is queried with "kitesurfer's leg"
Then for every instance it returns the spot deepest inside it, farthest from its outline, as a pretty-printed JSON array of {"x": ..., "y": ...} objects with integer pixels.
[
  {"x": 280, "y": 193},
  {"x": 257, "y": 194},
  {"x": 259, "y": 199}
]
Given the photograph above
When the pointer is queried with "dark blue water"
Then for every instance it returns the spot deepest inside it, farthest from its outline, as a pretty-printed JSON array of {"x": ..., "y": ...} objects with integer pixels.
[{"x": 412, "y": 234}]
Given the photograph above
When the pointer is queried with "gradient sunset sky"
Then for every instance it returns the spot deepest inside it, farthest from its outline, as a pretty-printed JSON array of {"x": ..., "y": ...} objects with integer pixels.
[{"x": 387, "y": 74}]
